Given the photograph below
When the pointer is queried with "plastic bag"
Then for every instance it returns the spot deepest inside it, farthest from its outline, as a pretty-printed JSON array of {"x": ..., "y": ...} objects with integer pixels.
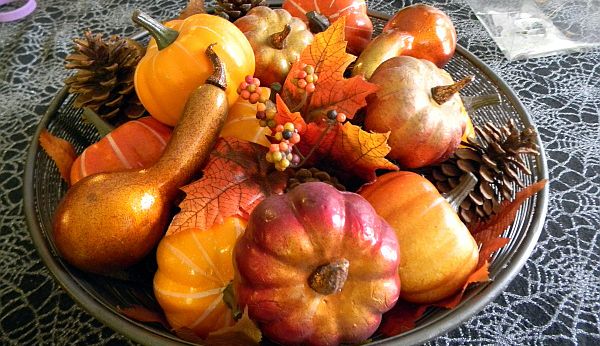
[{"x": 533, "y": 28}]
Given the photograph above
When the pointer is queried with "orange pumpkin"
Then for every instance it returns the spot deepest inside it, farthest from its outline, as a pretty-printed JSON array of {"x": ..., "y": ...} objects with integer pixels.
[
  {"x": 438, "y": 251},
  {"x": 135, "y": 144},
  {"x": 175, "y": 63},
  {"x": 242, "y": 123},
  {"x": 359, "y": 27},
  {"x": 194, "y": 268}
]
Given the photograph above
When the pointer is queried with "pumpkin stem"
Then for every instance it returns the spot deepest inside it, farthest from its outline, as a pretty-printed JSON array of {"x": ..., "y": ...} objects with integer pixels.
[
  {"x": 230, "y": 301},
  {"x": 329, "y": 278},
  {"x": 278, "y": 39},
  {"x": 100, "y": 124},
  {"x": 317, "y": 22},
  {"x": 218, "y": 77},
  {"x": 457, "y": 195},
  {"x": 162, "y": 35},
  {"x": 443, "y": 93}
]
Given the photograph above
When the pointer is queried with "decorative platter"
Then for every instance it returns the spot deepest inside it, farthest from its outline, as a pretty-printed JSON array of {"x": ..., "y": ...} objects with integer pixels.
[{"x": 102, "y": 296}]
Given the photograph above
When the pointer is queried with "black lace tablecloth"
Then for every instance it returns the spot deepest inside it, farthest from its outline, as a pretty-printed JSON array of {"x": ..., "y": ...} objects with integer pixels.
[{"x": 554, "y": 300}]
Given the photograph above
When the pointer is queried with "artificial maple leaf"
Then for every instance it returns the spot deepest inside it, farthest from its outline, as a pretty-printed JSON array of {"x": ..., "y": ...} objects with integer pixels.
[
  {"x": 404, "y": 315},
  {"x": 236, "y": 178},
  {"x": 349, "y": 147},
  {"x": 284, "y": 115},
  {"x": 143, "y": 314},
  {"x": 60, "y": 151},
  {"x": 243, "y": 333},
  {"x": 327, "y": 53}
]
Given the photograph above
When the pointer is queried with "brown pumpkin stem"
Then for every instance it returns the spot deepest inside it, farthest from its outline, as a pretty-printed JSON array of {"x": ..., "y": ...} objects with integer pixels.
[
  {"x": 317, "y": 22},
  {"x": 457, "y": 195},
  {"x": 162, "y": 35},
  {"x": 278, "y": 39},
  {"x": 218, "y": 77},
  {"x": 329, "y": 278},
  {"x": 443, "y": 93}
]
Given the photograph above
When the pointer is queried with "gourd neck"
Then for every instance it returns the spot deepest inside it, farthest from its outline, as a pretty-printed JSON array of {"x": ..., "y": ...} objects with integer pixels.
[
  {"x": 100, "y": 124},
  {"x": 202, "y": 119},
  {"x": 457, "y": 195},
  {"x": 163, "y": 35},
  {"x": 278, "y": 39},
  {"x": 329, "y": 278},
  {"x": 441, "y": 94}
]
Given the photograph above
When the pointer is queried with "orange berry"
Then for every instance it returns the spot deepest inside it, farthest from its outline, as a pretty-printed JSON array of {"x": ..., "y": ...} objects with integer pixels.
[
  {"x": 245, "y": 94},
  {"x": 341, "y": 117},
  {"x": 295, "y": 138},
  {"x": 283, "y": 146},
  {"x": 254, "y": 98},
  {"x": 302, "y": 83},
  {"x": 261, "y": 107},
  {"x": 310, "y": 87}
]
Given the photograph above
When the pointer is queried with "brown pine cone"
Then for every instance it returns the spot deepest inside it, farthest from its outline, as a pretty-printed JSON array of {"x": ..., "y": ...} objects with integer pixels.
[{"x": 307, "y": 175}]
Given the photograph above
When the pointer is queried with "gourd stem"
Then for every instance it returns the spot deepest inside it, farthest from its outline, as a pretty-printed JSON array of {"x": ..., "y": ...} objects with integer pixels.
[
  {"x": 277, "y": 40},
  {"x": 443, "y": 93},
  {"x": 317, "y": 22},
  {"x": 329, "y": 278},
  {"x": 473, "y": 103},
  {"x": 100, "y": 124},
  {"x": 218, "y": 77},
  {"x": 457, "y": 195},
  {"x": 162, "y": 35}
]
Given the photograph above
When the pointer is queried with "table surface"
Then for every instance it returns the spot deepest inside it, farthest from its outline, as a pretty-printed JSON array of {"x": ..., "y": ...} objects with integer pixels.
[{"x": 553, "y": 300}]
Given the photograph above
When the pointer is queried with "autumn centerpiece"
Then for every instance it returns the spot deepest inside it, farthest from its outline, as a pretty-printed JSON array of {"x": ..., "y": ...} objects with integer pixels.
[{"x": 285, "y": 204}]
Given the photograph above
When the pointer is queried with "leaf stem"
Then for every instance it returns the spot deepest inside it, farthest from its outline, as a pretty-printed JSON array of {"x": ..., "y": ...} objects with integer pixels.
[{"x": 314, "y": 148}]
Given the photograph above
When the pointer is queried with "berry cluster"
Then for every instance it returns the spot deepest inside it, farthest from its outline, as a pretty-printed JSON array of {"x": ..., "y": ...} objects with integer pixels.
[
  {"x": 250, "y": 90},
  {"x": 306, "y": 78},
  {"x": 281, "y": 153},
  {"x": 335, "y": 116}
]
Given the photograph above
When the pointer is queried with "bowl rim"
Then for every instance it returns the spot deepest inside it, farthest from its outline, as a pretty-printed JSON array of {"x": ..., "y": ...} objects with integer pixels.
[{"x": 451, "y": 319}]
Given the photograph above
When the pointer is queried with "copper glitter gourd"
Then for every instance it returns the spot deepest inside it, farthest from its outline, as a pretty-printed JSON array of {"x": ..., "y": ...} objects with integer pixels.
[{"x": 110, "y": 221}]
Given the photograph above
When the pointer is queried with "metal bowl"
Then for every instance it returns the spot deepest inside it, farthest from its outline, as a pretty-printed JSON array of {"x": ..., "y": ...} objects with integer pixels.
[{"x": 101, "y": 296}]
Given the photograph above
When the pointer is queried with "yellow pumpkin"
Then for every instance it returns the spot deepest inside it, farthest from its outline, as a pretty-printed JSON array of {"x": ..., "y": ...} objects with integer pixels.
[
  {"x": 194, "y": 268},
  {"x": 175, "y": 63}
]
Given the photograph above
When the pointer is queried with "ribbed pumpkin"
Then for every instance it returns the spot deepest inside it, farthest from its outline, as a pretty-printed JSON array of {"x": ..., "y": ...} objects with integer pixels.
[
  {"x": 359, "y": 27},
  {"x": 175, "y": 63},
  {"x": 135, "y": 144},
  {"x": 194, "y": 268},
  {"x": 242, "y": 123}
]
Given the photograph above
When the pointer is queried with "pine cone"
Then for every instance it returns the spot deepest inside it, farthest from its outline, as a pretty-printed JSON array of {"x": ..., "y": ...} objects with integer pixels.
[
  {"x": 494, "y": 157},
  {"x": 104, "y": 78},
  {"x": 234, "y": 9},
  {"x": 304, "y": 175}
]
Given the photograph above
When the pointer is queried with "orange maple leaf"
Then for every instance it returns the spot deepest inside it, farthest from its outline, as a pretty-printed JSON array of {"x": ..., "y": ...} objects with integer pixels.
[
  {"x": 404, "y": 316},
  {"x": 60, "y": 151},
  {"x": 349, "y": 147},
  {"x": 284, "y": 115},
  {"x": 236, "y": 178},
  {"x": 328, "y": 55}
]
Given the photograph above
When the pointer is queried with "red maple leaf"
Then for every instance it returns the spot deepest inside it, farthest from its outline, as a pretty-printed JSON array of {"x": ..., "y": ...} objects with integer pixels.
[
  {"x": 404, "y": 316},
  {"x": 236, "y": 178},
  {"x": 349, "y": 147},
  {"x": 60, "y": 151},
  {"x": 328, "y": 55}
]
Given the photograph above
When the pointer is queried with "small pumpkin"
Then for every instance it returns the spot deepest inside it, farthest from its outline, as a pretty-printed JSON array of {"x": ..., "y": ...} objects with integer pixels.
[
  {"x": 383, "y": 47},
  {"x": 316, "y": 266},
  {"x": 438, "y": 251},
  {"x": 242, "y": 123},
  {"x": 135, "y": 144},
  {"x": 277, "y": 39},
  {"x": 175, "y": 63},
  {"x": 420, "y": 105},
  {"x": 194, "y": 268},
  {"x": 359, "y": 27}
]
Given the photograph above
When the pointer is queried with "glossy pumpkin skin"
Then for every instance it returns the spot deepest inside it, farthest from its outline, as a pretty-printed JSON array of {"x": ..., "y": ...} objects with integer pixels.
[
  {"x": 422, "y": 131},
  {"x": 273, "y": 63},
  {"x": 194, "y": 268},
  {"x": 287, "y": 238},
  {"x": 359, "y": 27},
  {"x": 135, "y": 144},
  {"x": 164, "y": 79},
  {"x": 438, "y": 251},
  {"x": 433, "y": 32},
  {"x": 242, "y": 124}
]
